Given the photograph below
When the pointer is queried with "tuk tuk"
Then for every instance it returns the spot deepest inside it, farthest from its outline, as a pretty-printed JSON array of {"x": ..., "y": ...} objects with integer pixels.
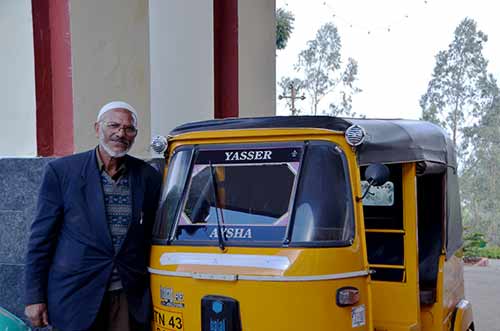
[{"x": 308, "y": 223}]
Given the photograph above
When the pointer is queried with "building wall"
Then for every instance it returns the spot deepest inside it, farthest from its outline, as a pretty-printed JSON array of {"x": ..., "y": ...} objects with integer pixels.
[
  {"x": 181, "y": 57},
  {"x": 257, "y": 58},
  {"x": 110, "y": 61},
  {"x": 17, "y": 79},
  {"x": 161, "y": 64},
  {"x": 19, "y": 182}
]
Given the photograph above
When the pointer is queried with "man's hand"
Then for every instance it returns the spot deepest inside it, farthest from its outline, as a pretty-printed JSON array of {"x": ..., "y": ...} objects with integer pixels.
[{"x": 37, "y": 314}]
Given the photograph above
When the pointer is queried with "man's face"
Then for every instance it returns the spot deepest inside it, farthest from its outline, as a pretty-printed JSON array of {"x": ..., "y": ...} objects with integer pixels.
[{"x": 116, "y": 131}]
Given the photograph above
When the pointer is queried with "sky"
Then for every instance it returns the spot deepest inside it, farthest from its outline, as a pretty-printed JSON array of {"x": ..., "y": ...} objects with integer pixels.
[{"x": 394, "y": 42}]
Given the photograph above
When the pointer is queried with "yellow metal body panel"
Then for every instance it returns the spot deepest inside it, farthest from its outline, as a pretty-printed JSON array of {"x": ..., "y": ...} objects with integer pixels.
[
  {"x": 268, "y": 305},
  {"x": 449, "y": 292},
  {"x": 308, "y": 305}
]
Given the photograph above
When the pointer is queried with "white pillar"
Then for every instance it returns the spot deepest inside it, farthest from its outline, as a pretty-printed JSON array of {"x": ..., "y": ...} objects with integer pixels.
[
  {"x": 182, "y": 63},
  {"x": 257, "y": 58},
  {"x": 17, "y": 79}
]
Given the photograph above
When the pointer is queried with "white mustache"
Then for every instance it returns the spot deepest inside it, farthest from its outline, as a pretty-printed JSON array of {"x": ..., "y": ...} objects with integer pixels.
[{"x": 123, "y": 141}]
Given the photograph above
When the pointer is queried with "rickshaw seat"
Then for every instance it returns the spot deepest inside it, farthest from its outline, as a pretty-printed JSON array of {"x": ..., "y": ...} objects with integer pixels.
[
  {"x": 427, "y": 296},
  {"x": 429, "y": 262},
  {"x": 430, "y": 220},
  {"x": 429, "y": 252}
]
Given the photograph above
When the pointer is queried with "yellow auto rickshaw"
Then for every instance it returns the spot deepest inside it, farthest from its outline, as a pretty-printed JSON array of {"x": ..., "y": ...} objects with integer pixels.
[{"x": 308, "y": 223}]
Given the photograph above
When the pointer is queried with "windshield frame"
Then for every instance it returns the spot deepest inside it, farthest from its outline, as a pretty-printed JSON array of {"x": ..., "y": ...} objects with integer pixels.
[{"x": 286, "y": 240}]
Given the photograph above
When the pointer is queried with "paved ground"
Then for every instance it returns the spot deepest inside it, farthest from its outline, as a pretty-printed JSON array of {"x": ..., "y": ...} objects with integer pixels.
[{"x": 482, "y": 288}]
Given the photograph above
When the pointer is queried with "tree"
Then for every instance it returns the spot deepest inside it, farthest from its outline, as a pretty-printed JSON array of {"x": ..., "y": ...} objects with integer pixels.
[
  {"x": 455, "y": 94},
  {"x": 344, "y": 108},
  {"x": 284, "y": 27},
  {"x": 480, "y": 182},
  {"x": 320, "y": 63},
  {"x": 473, "y": 242},
  {"x": 463, "y": 98}
]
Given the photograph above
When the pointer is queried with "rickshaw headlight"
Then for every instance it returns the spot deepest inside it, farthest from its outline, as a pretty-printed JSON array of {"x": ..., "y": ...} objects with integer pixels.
[
  {"x": 355, "y": 135},
  {"x": 347, "y": 296},
  {"x": 159, "y": 144}
]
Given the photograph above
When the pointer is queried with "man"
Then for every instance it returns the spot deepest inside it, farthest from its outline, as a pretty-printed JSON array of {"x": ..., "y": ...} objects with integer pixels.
[{"x": 88, "y": 251}]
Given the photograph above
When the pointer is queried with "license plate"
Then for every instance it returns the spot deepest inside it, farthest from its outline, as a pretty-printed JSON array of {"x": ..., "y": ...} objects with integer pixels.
[{"x": 167, "y": 320}]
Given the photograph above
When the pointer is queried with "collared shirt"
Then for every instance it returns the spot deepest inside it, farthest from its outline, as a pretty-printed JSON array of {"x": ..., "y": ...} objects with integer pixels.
[{"x": 100, "y": 165}]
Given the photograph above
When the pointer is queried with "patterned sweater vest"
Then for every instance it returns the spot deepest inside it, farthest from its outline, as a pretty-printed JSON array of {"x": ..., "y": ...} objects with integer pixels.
[{"x": 118, "y": 204}]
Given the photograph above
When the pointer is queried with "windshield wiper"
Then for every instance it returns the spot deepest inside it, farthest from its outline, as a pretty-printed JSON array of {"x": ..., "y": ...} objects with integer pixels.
[{"x": 220, "y": 233}]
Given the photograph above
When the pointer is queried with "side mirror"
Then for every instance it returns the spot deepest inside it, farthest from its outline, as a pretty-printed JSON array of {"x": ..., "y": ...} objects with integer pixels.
[{"x": 376, "y": 175}]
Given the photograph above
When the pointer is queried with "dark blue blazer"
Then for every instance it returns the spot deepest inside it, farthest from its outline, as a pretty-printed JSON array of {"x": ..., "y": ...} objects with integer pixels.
[{"x": 70, "y": 254}]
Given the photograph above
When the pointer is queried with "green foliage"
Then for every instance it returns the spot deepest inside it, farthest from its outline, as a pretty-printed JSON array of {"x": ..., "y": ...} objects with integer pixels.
[
  {"x": 321, "y": 67},
  {"x": 455, "y": 93},
  {"x": 480, "y": 180},
  {"x": 284, "y": 27},
  {"x": 431, "y": 114},
  {"x": 344, "y": 106},
  {"x": 475, "y": 245},
  {"x": 473, "y": 242},
  {"x": 464, "y": 98},
  {"x": 492, "y": 252}
]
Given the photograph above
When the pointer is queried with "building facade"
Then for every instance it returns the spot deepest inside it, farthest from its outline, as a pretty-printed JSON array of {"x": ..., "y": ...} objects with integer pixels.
[{"x": 174, "y": 60}]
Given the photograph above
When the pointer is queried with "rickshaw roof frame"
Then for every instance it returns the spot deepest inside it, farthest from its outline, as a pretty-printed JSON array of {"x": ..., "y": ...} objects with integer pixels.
[{"x": 387, "y": 140}]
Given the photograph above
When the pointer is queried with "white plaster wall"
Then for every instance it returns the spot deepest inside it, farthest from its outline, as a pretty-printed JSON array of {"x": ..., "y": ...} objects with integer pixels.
[
  {"x": 110, "y": 60},
  {"x": 257, "y": 58},
  {"x": 17, "y": 79},
  {"x": 182, "y": 69}
]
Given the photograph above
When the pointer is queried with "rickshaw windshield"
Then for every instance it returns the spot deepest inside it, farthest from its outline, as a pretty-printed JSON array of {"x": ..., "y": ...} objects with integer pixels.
[{"x": 249, "y": 194}]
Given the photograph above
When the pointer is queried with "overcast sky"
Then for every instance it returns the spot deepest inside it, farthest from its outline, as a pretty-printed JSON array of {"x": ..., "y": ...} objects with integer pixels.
[{"x": 395, "y": 43}]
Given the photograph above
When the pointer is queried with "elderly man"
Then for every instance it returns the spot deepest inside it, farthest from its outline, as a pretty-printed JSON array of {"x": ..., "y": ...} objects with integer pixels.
[{"x": 86, "y": 264}]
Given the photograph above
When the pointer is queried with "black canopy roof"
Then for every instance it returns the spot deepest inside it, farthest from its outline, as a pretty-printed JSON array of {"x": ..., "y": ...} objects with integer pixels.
[{"x": 387, "y": 140}]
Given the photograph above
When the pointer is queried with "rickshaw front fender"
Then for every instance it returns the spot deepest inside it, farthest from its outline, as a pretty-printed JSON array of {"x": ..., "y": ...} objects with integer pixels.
[{"x": 463, "y": 320}]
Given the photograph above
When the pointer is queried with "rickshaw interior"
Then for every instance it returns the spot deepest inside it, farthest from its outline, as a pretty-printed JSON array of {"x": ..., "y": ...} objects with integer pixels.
[{"x": 387, "y": 248}]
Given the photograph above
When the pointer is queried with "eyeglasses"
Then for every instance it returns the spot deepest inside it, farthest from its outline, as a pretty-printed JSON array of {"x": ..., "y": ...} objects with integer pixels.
[{"x": 115, "y": 127}]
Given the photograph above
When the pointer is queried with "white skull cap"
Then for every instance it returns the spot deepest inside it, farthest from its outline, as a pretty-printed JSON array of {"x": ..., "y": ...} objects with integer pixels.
[{"x": 115, "y": 105}]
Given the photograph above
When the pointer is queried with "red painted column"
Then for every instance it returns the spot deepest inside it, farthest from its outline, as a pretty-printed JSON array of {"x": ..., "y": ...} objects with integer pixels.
[
  {"x": 43, "y": 77},
  {"x": 226, "y": 58},
  {"x": 62, "y": 78},
  {"x": 53, "y": 77}
]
